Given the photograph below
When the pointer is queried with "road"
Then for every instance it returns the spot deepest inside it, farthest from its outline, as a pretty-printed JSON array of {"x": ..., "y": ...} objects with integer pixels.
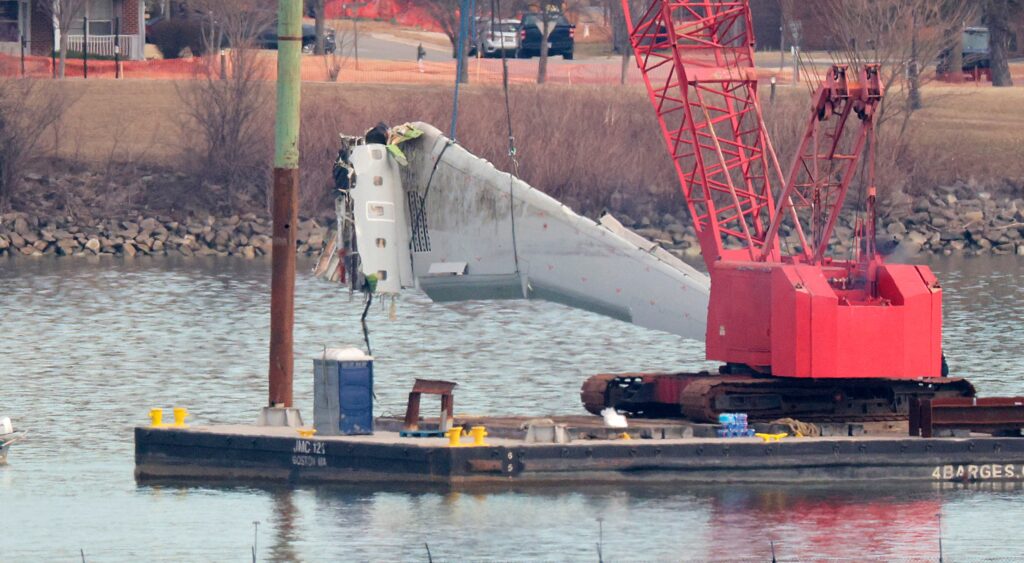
[
  {"x": 386, "y": 47},
  {"x": 380, "y": 45}
]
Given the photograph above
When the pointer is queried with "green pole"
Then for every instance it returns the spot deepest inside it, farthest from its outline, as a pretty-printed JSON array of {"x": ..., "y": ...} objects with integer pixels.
[
  {"x": 289, "y": 65},
  {"x": 285, "y": 202}
]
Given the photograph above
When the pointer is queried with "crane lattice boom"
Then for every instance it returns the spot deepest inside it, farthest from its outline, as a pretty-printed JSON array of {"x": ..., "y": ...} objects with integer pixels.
[
  {"x": 783, "y": 309},
  {"x": 697, "y": 60}
]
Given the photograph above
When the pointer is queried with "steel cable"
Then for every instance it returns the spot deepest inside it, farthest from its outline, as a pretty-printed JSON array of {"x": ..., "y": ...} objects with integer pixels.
[{"x": 496, "y": 5}]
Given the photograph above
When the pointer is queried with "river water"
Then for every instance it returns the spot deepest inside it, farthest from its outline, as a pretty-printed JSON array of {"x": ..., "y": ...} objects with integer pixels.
[{"x": 89, "y": 346}]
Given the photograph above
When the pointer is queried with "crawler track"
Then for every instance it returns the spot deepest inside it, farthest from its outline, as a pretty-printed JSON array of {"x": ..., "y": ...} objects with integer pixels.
[{"x": 702, "y": 396}]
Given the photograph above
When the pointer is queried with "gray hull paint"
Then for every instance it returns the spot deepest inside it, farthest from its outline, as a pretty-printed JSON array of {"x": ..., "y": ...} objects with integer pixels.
[{"x": 537, "y": 248}]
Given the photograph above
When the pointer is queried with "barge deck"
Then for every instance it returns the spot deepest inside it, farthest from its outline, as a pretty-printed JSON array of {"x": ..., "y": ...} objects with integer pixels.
[{"x": 256, "y": 453}]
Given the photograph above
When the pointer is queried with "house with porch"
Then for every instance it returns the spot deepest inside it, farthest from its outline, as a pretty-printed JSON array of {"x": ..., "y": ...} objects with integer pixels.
[
  {"x": 14, "y": 23},
  {"x": 94, "y": 30}
]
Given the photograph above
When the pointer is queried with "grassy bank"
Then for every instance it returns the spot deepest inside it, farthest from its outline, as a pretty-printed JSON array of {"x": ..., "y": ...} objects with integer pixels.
[{"x": 583, "y": 144}]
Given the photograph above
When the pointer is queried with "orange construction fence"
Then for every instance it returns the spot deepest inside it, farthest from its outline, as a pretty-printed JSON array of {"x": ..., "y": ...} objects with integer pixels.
[{"x": 322, "y": 68}]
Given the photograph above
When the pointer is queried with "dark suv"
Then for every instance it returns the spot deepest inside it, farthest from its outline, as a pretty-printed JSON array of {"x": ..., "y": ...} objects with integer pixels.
[
  {"x": 268, "y": 38},
  {"x": 561, "y": 41}
]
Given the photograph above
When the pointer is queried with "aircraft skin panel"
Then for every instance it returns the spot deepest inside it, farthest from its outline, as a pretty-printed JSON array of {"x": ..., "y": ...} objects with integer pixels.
[{"x": 469, "y": 241}]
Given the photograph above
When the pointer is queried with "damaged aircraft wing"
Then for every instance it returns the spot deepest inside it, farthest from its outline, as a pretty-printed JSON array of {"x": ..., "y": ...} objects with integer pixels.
[{"x": 458, "y": 228}]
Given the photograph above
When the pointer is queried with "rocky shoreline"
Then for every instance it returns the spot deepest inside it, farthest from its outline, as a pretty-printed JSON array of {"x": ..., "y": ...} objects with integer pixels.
[
  {"x": 958, "y": 219},
  {"x": 247, "y": 236}
]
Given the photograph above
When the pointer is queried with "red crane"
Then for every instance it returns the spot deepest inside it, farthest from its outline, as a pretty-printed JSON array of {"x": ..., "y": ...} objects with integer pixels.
[{"x": 800, "y": 332}]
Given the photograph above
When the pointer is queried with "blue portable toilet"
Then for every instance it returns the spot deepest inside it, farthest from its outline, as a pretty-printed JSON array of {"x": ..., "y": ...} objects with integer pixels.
[{"x": 343, "y": 393}]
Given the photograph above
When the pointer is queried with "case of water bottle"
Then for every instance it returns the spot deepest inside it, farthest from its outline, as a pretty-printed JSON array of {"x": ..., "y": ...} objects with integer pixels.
[{"x": 733, "y": 425}]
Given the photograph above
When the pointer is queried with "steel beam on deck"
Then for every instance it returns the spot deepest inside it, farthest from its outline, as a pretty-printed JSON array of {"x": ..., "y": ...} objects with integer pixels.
[{"x": 985, "y": 415}]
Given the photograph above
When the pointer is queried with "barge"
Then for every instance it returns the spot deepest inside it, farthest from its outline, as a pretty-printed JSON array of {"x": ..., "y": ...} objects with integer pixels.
[
  {"x": 863, "y": 333},
  {"x": 654, "y": 452}
]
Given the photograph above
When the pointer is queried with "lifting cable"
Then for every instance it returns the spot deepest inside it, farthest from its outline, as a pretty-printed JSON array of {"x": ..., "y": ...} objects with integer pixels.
[
  {"x": 496, "y": 8},
  {"x": 468, "y": 7},
  {"x": 460, "y": 61},
  {"x": 366, "y": 330}
]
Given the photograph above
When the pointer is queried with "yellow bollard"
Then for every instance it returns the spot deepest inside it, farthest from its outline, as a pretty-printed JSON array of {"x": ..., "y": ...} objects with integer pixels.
[
  {"x": 454, "y": 434},
  {"x": 157, "y": 418},
  {"x": 306, "y": 432},
  {"x": 180, "y": 414},
  {"x": 771, "y": 437},
  {"x": 478, "y": 433}
]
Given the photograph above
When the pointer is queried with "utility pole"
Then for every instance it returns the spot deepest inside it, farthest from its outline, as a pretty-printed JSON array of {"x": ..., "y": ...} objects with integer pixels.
[
  {"x": 782, "y": 47},
  {"x": 85, "y": 47},
  {"x": 279, "y": 412}
]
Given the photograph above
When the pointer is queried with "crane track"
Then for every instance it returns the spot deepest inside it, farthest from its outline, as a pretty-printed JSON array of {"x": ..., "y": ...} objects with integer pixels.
[{"x": 701, "y": 397}]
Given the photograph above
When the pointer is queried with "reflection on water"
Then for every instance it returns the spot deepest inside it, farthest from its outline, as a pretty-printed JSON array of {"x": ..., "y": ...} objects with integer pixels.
[
  {"x": 89, "y": 347},
  {"x": 284, "y": 527}
]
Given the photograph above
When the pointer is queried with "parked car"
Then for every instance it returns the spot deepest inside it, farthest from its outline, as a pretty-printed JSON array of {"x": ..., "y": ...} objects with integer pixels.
[
  {"x": 561, "y": 40},
  {"x": 268, "y": 39},
  {"x": 492, "y": 40}
]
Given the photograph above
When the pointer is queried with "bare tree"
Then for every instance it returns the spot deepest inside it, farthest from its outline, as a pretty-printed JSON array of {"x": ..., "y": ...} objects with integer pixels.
[
  {"x": 234, "y": 23},
  {"x": 620, "y": 33},
  {"x": 620, "y": 37},
  {"x": 787, "y": 15},
  {"x": 548, "y": 19},
  {"x": 337, "y": 59},
  {"x": 996, "y": 16},
  {"x": 904, "y": 36},
  {"x": 318, "y": 7},
  {"x": 320, "y": 24},
  {"x": 447, "y": 15},
  {"x": 28, "y": 110},
  {"x": 227, "y": 120},
  {"x": 952, "y": 64},
  {"x": 63, "y": 13}
]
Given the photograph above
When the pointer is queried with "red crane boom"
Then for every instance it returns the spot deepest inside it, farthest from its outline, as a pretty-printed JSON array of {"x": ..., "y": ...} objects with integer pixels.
[{"x": 696, "y": 57}]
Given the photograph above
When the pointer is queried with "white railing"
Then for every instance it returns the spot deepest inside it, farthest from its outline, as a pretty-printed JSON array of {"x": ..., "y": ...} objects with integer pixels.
[{"x": 103, "y": 45}]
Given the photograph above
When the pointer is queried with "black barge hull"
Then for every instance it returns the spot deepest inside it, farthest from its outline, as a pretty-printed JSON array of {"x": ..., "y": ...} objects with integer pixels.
[{"x": 249, "y": 453}]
